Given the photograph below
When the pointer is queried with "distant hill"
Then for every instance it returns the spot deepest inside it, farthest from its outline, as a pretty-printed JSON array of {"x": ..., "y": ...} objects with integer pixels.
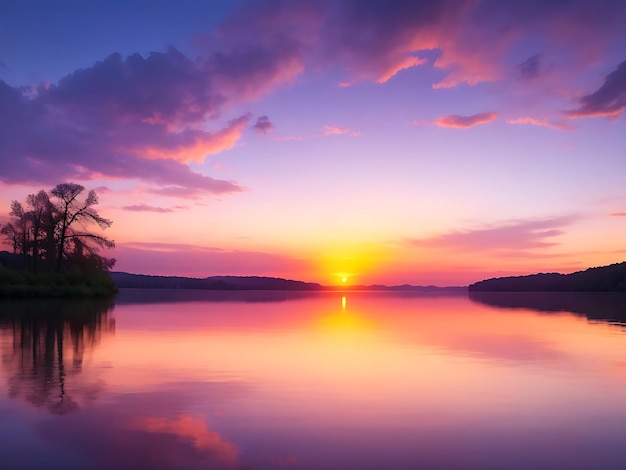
[
  {"x": 610, "y": 278},
  {"x": 144, "y": 281}
]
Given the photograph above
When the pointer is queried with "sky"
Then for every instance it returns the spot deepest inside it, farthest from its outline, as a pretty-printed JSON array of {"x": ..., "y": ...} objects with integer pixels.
[{"x": 422, "y": 142}]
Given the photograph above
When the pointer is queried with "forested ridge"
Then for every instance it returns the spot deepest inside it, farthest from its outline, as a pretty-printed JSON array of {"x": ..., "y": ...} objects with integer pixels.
[{"x": 610, "y": 278}]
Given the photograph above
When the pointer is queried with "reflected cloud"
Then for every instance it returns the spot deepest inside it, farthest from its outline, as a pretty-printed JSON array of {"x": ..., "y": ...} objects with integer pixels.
[
  {"x": 142, "y": 431},
  {"x": 192, "y": 428}
]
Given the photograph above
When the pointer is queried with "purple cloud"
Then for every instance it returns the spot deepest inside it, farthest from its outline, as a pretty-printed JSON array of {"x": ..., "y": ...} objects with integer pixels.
[
  {"x": 263, "y": 124},
  {"x": 510, "y": 239},
  {"x": 531, "y": 67},
  {"x": 465, "y": 122},
  {"x": 128, "y": 118},
  {"x": 148, "y": 117},
  {"x": 607, "y": 101}
]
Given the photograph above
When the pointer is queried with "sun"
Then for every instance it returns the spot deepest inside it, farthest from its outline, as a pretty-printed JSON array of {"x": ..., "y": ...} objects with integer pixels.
[{"x": 344, "y": 279}]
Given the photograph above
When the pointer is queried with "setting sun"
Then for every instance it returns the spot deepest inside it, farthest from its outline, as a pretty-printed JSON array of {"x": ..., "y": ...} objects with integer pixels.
[{"x": 344, "y": 279}]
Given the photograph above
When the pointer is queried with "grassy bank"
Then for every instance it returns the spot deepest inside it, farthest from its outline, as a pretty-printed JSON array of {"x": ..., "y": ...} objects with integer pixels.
[{"x": 74, "y": 284}]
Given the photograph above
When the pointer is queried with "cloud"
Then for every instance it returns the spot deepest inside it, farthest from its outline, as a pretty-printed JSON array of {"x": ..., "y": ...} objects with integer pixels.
[
  {"x": 618, "y": 214},
  {"x": 103, "y": 433},
  {"x": 336, "y": 130},
  {"x": 148, "y": 117},
  {"x": 507, "y": 239},
  {"x": 148, "y": 208},
  {"x": 464, "y": 122},
  {"x": 530, "y": 68},
  {"x": 607, "y": 101},
  {"x": 562, "y": 126},
  {"x": 263, "y": 124},
  {"x": 137, "y": 118},
  {"x": 192, "y": 429},
  {"x": 468, "y": 41}
]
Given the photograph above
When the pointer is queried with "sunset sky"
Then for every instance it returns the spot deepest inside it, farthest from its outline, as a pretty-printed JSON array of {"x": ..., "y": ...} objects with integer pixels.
[{"x": 422, "y": 142}]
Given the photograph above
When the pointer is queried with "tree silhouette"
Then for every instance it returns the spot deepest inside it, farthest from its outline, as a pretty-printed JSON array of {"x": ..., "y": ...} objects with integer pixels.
[
  {"x": 74, "y": 216},
  {"x": 56, "y": 227},
  {"x": 43, "y": 222}
]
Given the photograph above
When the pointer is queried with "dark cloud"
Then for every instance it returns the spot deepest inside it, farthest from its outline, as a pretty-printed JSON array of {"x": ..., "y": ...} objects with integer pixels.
[
  {"x": 609, "y": 100},
  {"x": 530, "y": 68},
  {"x": 162, "y": 87},
  {"x": 263, "y": 124}
]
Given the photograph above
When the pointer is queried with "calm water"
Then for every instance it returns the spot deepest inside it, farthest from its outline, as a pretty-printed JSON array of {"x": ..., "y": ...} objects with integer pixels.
[{"x": 198, "y": 380}]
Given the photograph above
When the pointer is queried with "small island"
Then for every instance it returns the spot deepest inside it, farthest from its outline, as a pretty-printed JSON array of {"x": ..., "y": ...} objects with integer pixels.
[{"x": 55, "y": 252}]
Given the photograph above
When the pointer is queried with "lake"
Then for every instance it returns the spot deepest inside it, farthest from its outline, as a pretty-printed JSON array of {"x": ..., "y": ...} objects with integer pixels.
[{"x": 287, "y": 380}]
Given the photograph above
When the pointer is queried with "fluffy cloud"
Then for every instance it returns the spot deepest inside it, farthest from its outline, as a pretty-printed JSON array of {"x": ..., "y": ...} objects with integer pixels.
[
  {"x": 464, "y": 122},
  {"x": 607, "y": 101},
  {"x": 148, "y": 117},
  {"x": 134, "y": 118}
]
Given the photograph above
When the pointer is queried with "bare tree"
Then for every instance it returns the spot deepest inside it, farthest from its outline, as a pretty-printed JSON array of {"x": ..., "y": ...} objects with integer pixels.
[{"x": 74, "y": 218}]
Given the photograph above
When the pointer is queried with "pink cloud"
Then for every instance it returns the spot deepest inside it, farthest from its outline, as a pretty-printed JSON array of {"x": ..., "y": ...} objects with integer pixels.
[
  {"x": 336, "y": 130},
  {"x": 194, "y": 146},
  {"x": 404, "y": 64},
  {"x": 512, "y": 239},
  {"x": 464, "y": 122},
  {"x": 618, "y": 214},
  {"x": 562, "y": 126},
  {"x": 149, "y": 208}
]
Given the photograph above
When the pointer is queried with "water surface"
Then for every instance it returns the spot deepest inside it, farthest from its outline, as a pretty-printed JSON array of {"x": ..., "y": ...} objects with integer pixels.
[{"x": 270, "y": 380}]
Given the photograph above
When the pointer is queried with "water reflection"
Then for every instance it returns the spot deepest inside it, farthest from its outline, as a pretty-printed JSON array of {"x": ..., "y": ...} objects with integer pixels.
[
  {"x": 601, "y": 306},
  {"x": 319, "y": 381},
  {"x": 43, "y": 346}
]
